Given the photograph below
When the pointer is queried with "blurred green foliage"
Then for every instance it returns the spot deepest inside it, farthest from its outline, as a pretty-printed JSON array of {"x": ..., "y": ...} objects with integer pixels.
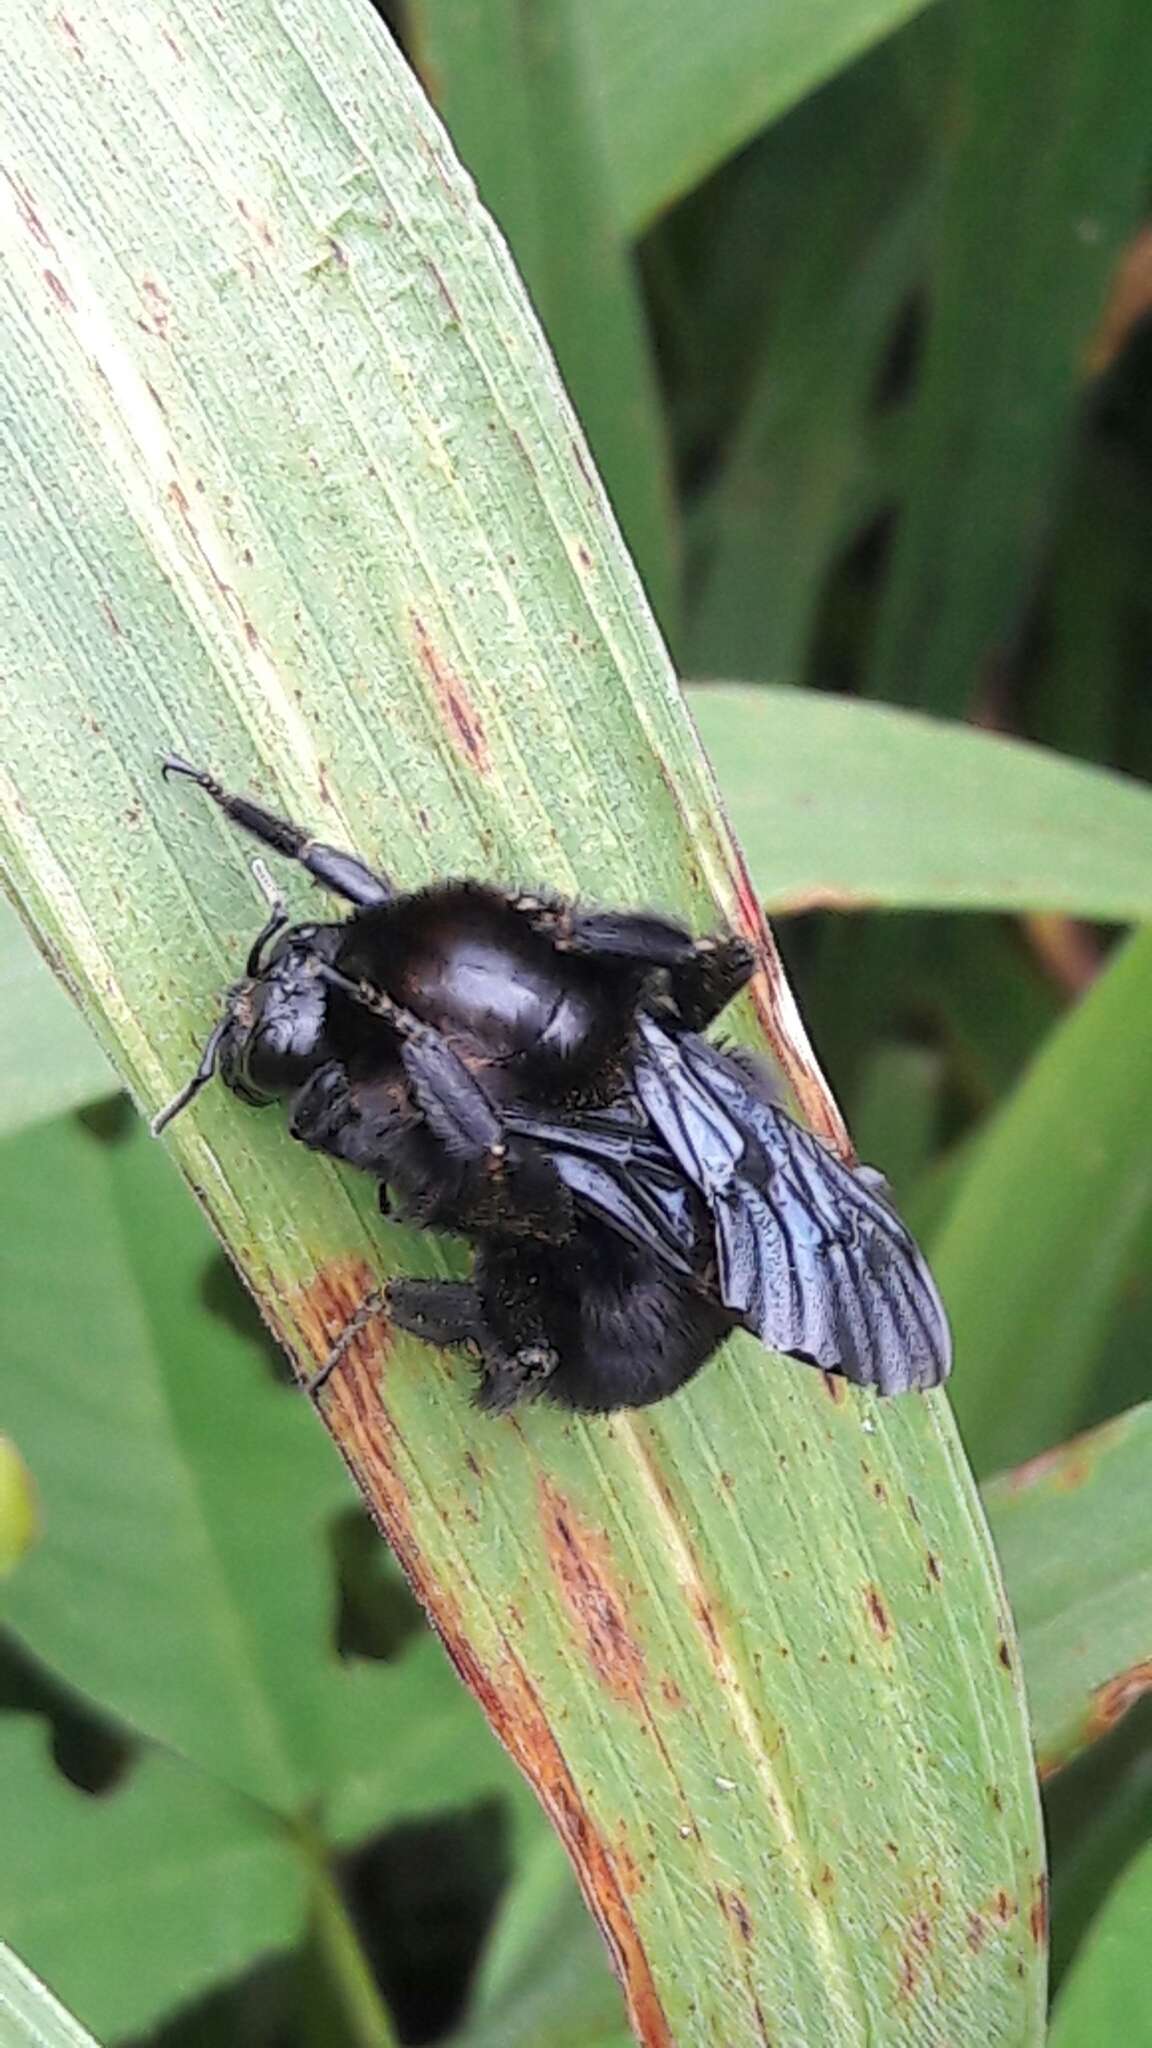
[{"x": 853, "y": 301}]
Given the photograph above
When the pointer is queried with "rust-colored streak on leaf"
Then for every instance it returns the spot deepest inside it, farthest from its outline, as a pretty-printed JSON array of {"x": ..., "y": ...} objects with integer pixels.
[
  {"x": 776, "y": 1010},
  {"x": 632, "y": 1878},
  {"x": 1038, "y": 1912},
  {"x": 1004, "y": 1907},
  {"x": 584, "y": 1568},
  {"x": 878, "y": 1613},
  {"x": 1112, "y": 1700},
  {"x": 68, "y": 30},
  {"x": 670, "y": 1692},
  {"x": 461, "y": 721},
  {"x": 835, "y": 1388},
  {"x": 372, "y": 1447},
  {"x": 796, "y": 902},
  {"x": 735, "y": 1909},
  {"x": 1069, "y": 1466},
  {"x": 59, "y": 291}
]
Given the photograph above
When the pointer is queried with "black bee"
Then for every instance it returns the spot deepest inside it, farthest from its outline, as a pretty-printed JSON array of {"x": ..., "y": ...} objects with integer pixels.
[{"x": 530, "y": 1076}]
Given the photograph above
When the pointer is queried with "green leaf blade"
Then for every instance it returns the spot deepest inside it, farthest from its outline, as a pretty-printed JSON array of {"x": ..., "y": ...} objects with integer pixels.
[
  {"x": 1071, "y": 1533},
  {"x": 855, "y": 804},
  {"x": 716, "y": 1668}
]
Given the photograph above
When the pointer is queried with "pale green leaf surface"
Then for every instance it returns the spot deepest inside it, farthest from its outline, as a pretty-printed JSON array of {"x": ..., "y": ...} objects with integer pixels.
[
  {"x": 679, "y": 93},
  {"x": 29, "y": 2015},
  {"x": 1032, "y": 1254},
  {"x": 1107, "y": 1996},
  {"x": 1075, "y": 1541},
  {"x": 132, "y": 1903},
  {"x": 843, "y": 802},
  {"x": 49, "y": 1059},
  {"x": 184, "y": 1578},
  {"x": 294, "y": 489}
]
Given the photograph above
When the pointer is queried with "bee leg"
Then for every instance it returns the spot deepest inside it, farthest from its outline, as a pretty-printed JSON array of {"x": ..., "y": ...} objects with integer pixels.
[
  {"x": 703, "y": 975},
  {"x": 448, "y": 1313},
  {"x": 487, "y": 1177},
  {"x": 344, "y": 873}
]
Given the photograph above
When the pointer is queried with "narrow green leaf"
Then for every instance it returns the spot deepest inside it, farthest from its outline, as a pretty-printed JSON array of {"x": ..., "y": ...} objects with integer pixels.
[
  {"x": 279, "y": 410},
  {"x": 856, "y": 805},
  {"x": 1108, "y": 1992},
  {"x": 1073, "y": 1535},
  {"x": 29, "y": 2015},
  {"x": 1032, "y": 1254},
  {"x": 130, "y": 1904},
  {"x": 515, "y": 87},
  {"x": 679, "y": 95},
  {"x": 839, "y": 192},
  {"x": 49, "y": 1060},
  {"x": 1047, "y": 170}
]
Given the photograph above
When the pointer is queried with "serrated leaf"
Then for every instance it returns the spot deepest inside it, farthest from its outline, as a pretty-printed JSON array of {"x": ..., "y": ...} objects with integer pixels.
[
  {"x": 1072, "y": 1531},
  {"x": 841, "y": 802},
  {"x": 133, "y": 1903},
  {"x": 184, "y": 1581},
  {"x": 281, "y": 410}
]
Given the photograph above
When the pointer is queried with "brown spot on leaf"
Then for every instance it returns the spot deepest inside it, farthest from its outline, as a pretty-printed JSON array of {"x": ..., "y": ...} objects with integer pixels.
[
  {"x": 707, "y": 1621},
  {"x": 878, "y": 1613},
  {"x": 670, "y": 1692},
  {"x": 110, "y": 615},
  {"x": 159, "y": 307},
  {"x": 817, "y": 896},
  {"x": 373, "y": 1448},
  {"x": 328, "y": 1305},
  {"x": 1004, "y": 1654},
  {"x": 834, "y": 1387},
  {"x": 1004, "y": 1907},
  {"x": 934, "y": 1567},
  {"x": 920, "y": 1930},
  {"x": 1068, "y": 1466},
  {"x": 59, "y": 291},
  {"x": 462, "y": 722},
  {"x": 68, "y": 30},
  {"x": 585, "y": 1571},
  {"x": 977, "y": 1932},
  {"x": 734, "y": 1909},
  {"x": 1112, "y": 1700},
  {"x": 1038, "y": 1911}
]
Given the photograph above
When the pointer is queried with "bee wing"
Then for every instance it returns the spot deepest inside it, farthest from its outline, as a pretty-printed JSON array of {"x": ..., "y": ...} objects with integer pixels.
[
  {"x": 617, "y": 1172},
  {"x": 810, "y": 1254}
]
